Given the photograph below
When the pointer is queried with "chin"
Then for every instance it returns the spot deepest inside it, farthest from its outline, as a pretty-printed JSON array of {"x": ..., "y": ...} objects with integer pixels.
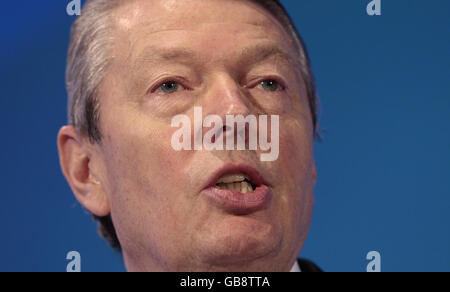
[{"x": 240, "y": 239}]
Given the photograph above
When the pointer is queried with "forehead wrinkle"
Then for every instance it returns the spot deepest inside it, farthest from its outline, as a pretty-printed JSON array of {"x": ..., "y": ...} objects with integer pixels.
[
  {"x": 153, "y": 55},
  {"x": 249, "y": 55},
  {"x": 126, "y": 22},
  {"x": 148, "y": 28},
  {"x": 147, "y": 55}
]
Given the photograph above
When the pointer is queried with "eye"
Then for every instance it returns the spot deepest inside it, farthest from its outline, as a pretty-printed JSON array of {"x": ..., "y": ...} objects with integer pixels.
[
  {"x": 169, "y": 87},
  {"x": 271, "y": 85}
]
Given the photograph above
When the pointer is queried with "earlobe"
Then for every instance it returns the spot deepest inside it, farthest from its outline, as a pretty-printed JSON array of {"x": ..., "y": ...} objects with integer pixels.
[{"x": 75, "y": 163}]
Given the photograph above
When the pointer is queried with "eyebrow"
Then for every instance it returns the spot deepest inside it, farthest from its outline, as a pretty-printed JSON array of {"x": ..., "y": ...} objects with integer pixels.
[
  {"x": 248, "y": 55},
  {"x": 258, "y": 53}
]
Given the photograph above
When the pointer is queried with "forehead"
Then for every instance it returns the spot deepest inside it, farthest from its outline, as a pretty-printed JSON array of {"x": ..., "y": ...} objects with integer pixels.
[{"x": 219, "y": 26}]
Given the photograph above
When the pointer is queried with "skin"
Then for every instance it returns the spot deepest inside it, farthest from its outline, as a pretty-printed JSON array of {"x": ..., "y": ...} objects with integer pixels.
[{"x": 154, "y": 194}]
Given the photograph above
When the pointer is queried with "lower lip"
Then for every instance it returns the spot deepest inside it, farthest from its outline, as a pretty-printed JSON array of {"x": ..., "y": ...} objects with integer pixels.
[{"x": 238, "y": 203}]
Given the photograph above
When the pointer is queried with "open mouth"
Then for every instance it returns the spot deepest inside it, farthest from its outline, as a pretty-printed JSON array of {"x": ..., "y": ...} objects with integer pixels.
[
  {"x": 239, "y": 190},
  {"x": 236, "y": 182}
]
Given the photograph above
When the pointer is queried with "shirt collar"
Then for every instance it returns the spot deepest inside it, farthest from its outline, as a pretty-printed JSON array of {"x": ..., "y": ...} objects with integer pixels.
[{"x": 296, "y": 268}]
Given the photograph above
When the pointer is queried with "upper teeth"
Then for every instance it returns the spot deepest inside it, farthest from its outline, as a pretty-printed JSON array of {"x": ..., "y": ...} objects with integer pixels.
[
  {"x": 232, "y": 178},
  {"x": 238, "y": 182}
]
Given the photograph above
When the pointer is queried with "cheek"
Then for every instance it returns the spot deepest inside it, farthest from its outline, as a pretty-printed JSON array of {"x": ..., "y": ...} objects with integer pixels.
[
  {"x": 143, "y": 169},
  {"x": 295, "y": 165},
  {"x": 145, "y": 184},
  {"x": 137, "y": 157},
  {"x": 296, "y": 153}
]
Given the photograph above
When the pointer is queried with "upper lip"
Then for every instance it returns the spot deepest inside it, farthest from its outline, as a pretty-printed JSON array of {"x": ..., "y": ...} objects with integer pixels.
[{"x": 253, "y": 174}]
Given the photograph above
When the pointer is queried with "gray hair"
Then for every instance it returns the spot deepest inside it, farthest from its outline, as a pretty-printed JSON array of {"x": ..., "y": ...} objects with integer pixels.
[
  {"x": 87, "y": 61},
  {"x": 90, "y": 53}
]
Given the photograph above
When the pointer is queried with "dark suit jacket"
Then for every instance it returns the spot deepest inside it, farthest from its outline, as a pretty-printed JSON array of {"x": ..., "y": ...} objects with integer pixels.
[{"x": 308, "y": 266}]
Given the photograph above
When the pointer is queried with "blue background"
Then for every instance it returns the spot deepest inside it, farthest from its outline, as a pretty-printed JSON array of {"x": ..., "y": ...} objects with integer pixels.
[{"x": 384, "y": 162}]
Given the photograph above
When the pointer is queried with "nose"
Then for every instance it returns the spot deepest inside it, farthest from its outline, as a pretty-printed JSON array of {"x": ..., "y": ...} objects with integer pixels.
[{"x": 225, "y": 97}]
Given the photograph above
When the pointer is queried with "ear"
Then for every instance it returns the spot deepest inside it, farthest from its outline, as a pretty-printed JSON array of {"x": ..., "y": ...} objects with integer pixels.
[{"x": 76, "y": 156}]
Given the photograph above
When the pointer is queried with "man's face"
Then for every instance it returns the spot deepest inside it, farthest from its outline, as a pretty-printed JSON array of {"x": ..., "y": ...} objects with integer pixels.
[{"x": 169, "y": 57}]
